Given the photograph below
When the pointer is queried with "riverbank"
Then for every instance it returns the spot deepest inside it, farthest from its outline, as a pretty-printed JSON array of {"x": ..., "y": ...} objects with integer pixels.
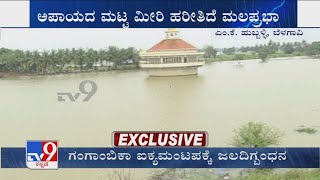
[
  {"x": 71, "y": 71},
  {"x": 235, "y": 58}
]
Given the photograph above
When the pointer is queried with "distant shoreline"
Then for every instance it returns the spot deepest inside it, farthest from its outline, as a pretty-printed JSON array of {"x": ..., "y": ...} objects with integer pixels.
[
  {"x": 272, "y": 58},
  {"x": 106, "y": 69},
  {"x": 124, "y": 68}
]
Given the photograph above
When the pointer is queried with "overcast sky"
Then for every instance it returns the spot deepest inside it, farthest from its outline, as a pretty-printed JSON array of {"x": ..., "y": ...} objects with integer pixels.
[
  {"x": 16, "y": 13},
  {"x": 39, "y": 39}
]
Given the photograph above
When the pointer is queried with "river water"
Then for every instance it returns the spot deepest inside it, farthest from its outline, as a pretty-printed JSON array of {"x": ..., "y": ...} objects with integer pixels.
[{"x": 283, "y": 93}]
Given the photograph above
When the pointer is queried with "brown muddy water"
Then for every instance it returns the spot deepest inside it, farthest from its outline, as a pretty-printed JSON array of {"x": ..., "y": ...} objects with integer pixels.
[{"x": 282, "y": 93}]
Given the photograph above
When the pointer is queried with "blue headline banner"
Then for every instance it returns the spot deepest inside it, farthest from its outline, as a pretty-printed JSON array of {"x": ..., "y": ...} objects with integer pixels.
[
  {"x": 173, "y": 158},
  {"x": 163, "y": 14}
]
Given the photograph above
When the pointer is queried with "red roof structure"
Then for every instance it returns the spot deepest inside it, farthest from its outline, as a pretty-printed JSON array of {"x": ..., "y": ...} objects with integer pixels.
[{"x": 172, "y": 44}]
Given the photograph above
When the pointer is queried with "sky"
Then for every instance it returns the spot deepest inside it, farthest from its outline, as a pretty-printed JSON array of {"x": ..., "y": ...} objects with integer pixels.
[{"x": 46, "y": 39}]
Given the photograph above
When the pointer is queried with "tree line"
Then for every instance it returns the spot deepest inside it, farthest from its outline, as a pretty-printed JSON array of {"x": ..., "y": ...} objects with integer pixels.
[
  {"x": 264, "y": 51},
  {"x": 56, "y": 61}
]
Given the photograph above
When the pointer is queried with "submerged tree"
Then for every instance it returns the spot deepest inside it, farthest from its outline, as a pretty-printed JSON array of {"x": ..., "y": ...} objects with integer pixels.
[
  {"x": 256, "y": 134},
  {"x": 263, "y": 52},
  {"x": 314, "y": 49}
]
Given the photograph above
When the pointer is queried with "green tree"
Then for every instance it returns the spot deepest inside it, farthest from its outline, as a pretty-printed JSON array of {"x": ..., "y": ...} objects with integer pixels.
[
  {"x": 314, "y": 49},
  {"x": 263, "y": 52},
  {"x": 272, "y": 46},
  {"x": 91, "y": 57},
  {"x": 114, "y": 54},
  {"x": 209, "y": 52},
  {"x": 238, "y": 56},
  {"x": 229, "y": 51},
  {"x": 256, "y": 134},
  {"x": 63, "y": 58},
  {"x": 288, "y": 48}
]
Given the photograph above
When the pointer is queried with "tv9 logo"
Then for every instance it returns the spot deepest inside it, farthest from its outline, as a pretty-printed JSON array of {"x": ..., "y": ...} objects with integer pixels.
[
  {"x": 42, "y": 154},
  {"x": 73, "y": 97}
]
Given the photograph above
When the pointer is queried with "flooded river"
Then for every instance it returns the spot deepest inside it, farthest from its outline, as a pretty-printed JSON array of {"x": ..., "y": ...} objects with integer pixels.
[{"x": 282, "y": 93}]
